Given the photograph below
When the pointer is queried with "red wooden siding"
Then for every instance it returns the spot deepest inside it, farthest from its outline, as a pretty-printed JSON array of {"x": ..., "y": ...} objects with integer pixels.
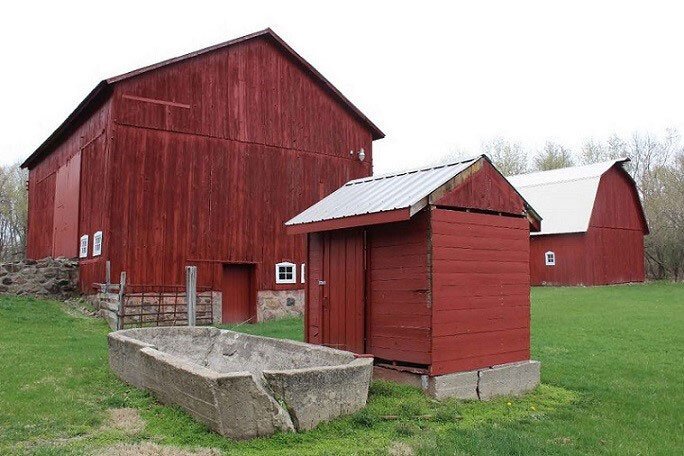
[
  {"x": 480, "y": 290},
  {"x": 40, "y": 216},
  {"x": 612, "y": 249},
  {"x": 486, "y": 190},
  {"x": 399, "y": 290},
  {"x": 313, "y": 315},
  {"x": 65, "y": 224}
]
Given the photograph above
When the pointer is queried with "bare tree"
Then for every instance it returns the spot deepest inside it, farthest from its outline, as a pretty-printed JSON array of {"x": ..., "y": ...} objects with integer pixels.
[
  {"x": 553, "y": 156},
  {"x": 13, "y": 212},
  {"x": 509, "y": 157}
]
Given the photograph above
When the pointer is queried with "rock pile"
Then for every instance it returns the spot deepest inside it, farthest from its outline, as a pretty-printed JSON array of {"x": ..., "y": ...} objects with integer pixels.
[{"x": 53, "y": 277}]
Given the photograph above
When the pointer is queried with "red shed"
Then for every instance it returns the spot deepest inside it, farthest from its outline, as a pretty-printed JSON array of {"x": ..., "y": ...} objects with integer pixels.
[
  {"x": 594, "y": 225},
  {"x": 199, "y": 160},
  {"x": 427, "y": 270}
]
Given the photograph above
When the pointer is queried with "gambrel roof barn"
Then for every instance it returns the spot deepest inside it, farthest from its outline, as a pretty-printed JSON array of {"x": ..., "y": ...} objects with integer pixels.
[{"x": 594, "y": 225}]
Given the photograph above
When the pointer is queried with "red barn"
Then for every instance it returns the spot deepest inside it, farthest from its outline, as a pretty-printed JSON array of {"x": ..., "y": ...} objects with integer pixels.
[
  {"x": 594, "y": 225},
  {"x": 427, "y": 270},
  {"x": 199, "y": 160}
]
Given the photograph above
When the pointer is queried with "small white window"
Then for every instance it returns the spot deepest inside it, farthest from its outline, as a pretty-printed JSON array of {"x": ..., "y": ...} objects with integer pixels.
[
  {"x": 286, "y": 273},
  {"x": 97, "y": 243},
  {"x": 302, "y": 273},
  {"x": 550, "y": 258},
  {"x": 83, "y": 250}
]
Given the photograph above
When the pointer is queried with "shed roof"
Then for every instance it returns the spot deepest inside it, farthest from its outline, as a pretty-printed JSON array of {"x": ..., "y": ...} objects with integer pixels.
[
  {"x": 103, "y": 89},
  {"x": 383, "y": 198},
  {"x": 564, "y": 197}
]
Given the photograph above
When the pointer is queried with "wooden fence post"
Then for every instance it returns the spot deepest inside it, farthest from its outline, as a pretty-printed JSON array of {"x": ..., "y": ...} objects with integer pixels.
[
  {"x": 191, "y": 293},
  {"x": 108, "y": 276},
  {"x": 120, "y": 310}
]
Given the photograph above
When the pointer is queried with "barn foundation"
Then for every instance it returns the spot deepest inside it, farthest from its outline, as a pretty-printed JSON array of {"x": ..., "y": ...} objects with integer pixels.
[{"x": 511, "y": 379}]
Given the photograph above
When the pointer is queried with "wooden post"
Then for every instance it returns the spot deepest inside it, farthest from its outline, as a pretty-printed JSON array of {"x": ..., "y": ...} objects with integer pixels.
[
  {"x": 191, "y": 293},
  {"x": 108, "y": 276},
  {"x": 120, "y": 310}
]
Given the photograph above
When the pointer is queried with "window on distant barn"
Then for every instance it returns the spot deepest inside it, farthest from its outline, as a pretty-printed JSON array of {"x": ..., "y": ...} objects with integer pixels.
[
  {"x": 302, "y": 273},
  {"x": 286, "y": 273},
  {"x": 97, "y": 243},
  {"x": 550, "y": 258},
  {"x": 83, "y": 250}
]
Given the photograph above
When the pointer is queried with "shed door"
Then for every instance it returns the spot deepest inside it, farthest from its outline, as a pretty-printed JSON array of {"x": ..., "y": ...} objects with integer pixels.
[
  {"x": 65, "y": 222},
  {"x": 236, "y": 287},
  {"x": 342, "y": 290}
]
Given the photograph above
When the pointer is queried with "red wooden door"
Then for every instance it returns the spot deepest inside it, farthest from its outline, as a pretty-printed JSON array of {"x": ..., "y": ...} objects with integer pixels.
[
  {"x": 237, "y": 301},
  {"x": 343, "y": 290},
  {"x": 65, "y": 222}
]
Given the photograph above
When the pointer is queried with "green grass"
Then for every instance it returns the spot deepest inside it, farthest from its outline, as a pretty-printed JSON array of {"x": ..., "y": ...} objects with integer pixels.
[{"x": 612, "y": 384}]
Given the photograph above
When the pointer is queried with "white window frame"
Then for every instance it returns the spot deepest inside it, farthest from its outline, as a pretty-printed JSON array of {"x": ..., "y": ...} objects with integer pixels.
[
  {"x": 83, "y": 247},
  {"x": 97, "y": 243},
  {"x": 302, "y": 273},
  {"x": 550, "y": 258},
  {"x": 286, "y": 264}
]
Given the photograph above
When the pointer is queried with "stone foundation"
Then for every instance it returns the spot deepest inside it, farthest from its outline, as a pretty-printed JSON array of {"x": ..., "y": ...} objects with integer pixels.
[
  {"x": 512, "y": 379},
  {"x": 275, "y": 304},
  {"x": 50, "y": 277}
]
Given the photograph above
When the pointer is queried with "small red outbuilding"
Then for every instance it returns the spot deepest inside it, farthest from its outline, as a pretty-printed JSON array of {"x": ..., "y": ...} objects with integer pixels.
[
  {"x": 427, "y": 270},
  {"x": 594, "y": 225}
]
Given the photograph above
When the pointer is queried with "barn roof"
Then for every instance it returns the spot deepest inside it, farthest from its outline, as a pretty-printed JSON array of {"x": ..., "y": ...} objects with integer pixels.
[
  {"x": 564, "y": 197},
  {"x": 383, "y": 198},
  {"x": 102, "y": 91}
]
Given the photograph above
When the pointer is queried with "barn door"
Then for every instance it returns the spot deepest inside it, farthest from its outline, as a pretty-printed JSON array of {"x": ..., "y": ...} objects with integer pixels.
[
  {"x": 237, "y": 297},
  {"x": 65, "y": 217},
  {"x": 342, "y": 290}
]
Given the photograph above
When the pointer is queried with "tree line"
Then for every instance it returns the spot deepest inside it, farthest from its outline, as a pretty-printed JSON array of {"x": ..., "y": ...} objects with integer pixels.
[{"x": 13, "y": 212}]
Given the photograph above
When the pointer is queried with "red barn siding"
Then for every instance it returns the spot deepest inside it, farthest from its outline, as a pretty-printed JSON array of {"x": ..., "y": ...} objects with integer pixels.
[
  {"x": 485, "y": 189},
  {"x": 611, "y": 250},
  {"x": 399, "y": 290},
  {"x": 480, "y": 290},
  {"x": 41, "y": 211}
]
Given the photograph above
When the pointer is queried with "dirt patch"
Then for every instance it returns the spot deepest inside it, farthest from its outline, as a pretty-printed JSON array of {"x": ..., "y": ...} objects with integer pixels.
[
  {"x": 127, "y": 420},
  {"x": 152, "y": 449},
  {"x": 400, "y": 449}
]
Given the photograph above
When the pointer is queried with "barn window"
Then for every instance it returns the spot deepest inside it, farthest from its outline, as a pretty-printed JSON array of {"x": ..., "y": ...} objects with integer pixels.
[
  {"x": 83, "y": 250},
  {"x": 286, "y": 273},
  {"x": 550, "y": 258},
  {"x": 302, "y": 273},
  {"x": 97, "y": 243}
]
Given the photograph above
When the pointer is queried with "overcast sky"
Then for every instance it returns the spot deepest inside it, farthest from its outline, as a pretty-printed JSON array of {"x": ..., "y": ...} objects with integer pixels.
[{"x": 435, "y": 78}]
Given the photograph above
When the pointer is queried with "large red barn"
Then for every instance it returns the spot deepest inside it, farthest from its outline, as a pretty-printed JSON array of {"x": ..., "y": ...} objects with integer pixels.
[
  {"x": 198, "y": 160},
  {"x": 594, "y": 225},
  {"x": 428, "y": 271}
]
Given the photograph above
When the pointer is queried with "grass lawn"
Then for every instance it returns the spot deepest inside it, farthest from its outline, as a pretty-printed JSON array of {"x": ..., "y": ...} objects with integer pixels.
[{"x": 612, "y": 378}]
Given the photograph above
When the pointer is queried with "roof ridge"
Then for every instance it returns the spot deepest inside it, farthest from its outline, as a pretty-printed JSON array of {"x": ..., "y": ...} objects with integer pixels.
[{"x": 361, "y": 180}]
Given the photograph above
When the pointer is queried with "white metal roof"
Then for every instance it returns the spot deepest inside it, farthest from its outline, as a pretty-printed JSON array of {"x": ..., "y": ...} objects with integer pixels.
[
  {"x": 563, "y": 197},
  {"x": 374, "y": 194}
]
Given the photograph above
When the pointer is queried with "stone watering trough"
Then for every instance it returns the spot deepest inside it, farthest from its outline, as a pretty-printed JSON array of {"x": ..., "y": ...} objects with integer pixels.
[{"x": 241, "y": 386}]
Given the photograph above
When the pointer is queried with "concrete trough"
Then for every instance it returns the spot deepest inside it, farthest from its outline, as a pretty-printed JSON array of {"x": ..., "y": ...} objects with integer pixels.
[{"x": 239, "y": 385}]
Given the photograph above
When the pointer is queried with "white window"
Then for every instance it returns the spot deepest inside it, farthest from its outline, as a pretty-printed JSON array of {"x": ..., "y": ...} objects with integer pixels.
[
  {"x": 83, "y": 250},
  {"x": 302, "y": 273},
  {"x": 97, "y": 243},
  {"x": 286, "y": 273},
  {"x": 550, "y": 258}
]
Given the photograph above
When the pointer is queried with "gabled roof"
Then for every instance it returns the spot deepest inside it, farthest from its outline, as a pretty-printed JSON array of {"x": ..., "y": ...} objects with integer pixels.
[
  {"x": 380, "y": 199},
  {"x": 102, "y": 91},
  {"x": 564, "y": 197}
]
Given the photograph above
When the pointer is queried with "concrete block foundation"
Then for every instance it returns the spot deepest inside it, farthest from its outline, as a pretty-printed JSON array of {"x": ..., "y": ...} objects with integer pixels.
[
  {"x": 510, "y": 379},
  {"x": 239, "y": 385}
]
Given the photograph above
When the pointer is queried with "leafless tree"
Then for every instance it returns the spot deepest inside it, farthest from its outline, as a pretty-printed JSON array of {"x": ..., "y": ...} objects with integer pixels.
[
  {"x": 553, "y": 156},
  {"x": 509, "y": 157},
  {"x": 13, "y": 212}
]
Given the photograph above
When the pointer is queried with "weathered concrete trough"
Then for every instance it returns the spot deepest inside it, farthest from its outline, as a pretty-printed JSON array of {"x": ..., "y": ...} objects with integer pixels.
[{"x": 239, "y": 385}]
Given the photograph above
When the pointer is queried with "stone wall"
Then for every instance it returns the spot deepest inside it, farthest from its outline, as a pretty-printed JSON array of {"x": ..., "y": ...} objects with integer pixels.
[
  {"x": 272, "y": 304},
  {"x": 49, "y": 277}
]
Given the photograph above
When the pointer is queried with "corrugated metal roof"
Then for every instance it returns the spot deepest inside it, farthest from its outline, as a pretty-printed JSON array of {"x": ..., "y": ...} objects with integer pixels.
[
  {"x": 563, "y": 197},
  {"x": 103, "y": 89},
  {"x": 376, "y": 194}
]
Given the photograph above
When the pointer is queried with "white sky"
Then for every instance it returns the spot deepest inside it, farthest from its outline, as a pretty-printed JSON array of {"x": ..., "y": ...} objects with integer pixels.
[{"x": 436, "y": 78}]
